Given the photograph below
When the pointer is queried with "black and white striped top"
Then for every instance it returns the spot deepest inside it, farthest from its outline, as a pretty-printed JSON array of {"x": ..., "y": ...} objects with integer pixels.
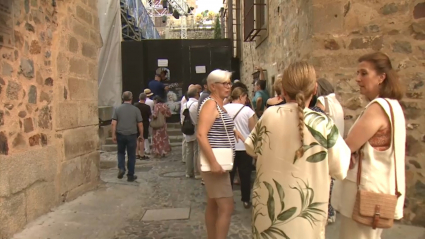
[{"x": 217, "y": 135}]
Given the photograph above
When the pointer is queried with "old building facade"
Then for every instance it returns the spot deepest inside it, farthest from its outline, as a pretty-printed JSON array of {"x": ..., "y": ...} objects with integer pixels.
[
  {"x": 48, "y": 111},
  {"x": 332, "y": 35}
]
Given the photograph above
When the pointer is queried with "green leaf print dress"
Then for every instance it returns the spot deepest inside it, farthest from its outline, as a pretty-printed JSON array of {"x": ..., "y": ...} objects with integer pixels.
[{"x": 291, "y": 190}]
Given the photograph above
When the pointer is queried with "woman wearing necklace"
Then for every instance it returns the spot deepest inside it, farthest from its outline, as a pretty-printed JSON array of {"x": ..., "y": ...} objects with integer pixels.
[{"x": 216, "y": 131}]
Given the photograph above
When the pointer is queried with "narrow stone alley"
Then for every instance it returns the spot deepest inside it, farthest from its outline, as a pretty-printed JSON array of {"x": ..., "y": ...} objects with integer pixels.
[{"x": 117, "y": 208}]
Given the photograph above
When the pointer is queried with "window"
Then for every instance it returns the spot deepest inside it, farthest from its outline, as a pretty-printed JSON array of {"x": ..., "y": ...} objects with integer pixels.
[
  {"x": 255, "y": 20},
  {"x": 6, "y": 23}
]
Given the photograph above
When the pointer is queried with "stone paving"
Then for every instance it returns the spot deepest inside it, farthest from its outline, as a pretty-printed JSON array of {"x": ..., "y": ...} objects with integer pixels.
[
  {"x": 177, "y": 192},
  {"x": 116, "y": 209},
  {"x": 180, "y": 192}
]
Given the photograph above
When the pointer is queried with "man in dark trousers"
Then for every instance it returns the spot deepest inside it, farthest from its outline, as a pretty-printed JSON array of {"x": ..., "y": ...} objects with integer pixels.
[
  {"x": 145, "y": 110},
  {"x": 125, "y": 122}
]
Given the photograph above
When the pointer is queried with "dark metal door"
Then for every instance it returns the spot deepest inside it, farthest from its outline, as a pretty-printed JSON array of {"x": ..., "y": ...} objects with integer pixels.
[
  {"x": 198, "y": 56},
  {"x": 212, "y": 57}
]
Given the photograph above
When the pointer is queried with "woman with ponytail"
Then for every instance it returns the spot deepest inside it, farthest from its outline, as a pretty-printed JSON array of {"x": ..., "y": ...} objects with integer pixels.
[{"x": 298, "y": 151}]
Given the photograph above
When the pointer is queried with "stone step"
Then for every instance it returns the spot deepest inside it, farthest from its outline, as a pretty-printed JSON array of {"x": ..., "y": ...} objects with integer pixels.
[
  {"x": 113, "y": 147},
  {"x": 171, "y": 127},
  {"x": 173, "y": 138},
  {"x": 174, "y": 132}
]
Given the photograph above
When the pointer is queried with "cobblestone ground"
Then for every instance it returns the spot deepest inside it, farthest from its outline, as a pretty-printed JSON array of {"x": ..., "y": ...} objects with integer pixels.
[
  {"x": 176, "y": 192},
  {"x": 115, "y": 210}
]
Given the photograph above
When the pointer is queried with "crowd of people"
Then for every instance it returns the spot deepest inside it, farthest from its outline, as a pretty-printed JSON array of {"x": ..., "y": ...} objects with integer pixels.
[{"x": 307, "y": 166}]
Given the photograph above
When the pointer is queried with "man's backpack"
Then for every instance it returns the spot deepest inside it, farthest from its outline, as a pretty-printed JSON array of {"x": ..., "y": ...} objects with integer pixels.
[{"x": 188, "y": 128}]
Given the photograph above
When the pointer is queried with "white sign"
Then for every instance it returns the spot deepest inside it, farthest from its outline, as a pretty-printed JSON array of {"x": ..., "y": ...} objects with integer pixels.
[
  {"x": 200, "y": 69},
  {"x": 162, "y": 62}
]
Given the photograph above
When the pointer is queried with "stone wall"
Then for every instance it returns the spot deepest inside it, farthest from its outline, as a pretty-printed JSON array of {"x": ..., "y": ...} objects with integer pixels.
[
  {"x": 333, "y": 35},
  {"x": 48, "y": 111},
  {"x": 191, "y": 34}
]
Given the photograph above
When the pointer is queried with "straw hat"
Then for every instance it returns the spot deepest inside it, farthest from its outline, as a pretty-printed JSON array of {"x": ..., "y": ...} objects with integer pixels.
[{"x": 148, "y": 92}]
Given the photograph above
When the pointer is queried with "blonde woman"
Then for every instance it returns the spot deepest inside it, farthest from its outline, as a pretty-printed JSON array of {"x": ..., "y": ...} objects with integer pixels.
[
  {"x": 278, "y": 99},
  {"x": 372, "y": 134},
  {"x": 298, "y": 150},
  {"x": 216, "y": 130}
]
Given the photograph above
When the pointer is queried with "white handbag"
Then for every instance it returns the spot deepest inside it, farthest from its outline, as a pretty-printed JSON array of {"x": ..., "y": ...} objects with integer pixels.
[{"x": 224, "y": 156}]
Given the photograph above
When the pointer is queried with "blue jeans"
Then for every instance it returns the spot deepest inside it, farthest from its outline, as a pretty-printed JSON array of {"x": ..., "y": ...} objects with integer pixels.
[{"x": 128, "y": 142}]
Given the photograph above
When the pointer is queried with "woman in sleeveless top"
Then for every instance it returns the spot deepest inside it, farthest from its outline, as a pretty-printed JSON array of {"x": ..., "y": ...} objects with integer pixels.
[
  {"x": 327, "y": 103},
  {"x": 244, "y": 119},
  {"x": 216, "y": 130},
  {"x": 372, "y": 135},
  {"x": 278, "y": 99}
]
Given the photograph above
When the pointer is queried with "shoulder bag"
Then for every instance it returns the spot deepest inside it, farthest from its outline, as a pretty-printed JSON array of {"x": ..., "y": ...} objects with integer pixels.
[
  {"x": 158, "y": 122},
  {"x": 224, "y": 156},
  {"x": 376, "y": 209}
]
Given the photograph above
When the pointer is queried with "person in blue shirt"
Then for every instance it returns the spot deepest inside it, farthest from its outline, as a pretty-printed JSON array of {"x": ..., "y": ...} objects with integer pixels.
[
  {"x": 260, "y": 98},
  {"x": 158, "y": 88}
]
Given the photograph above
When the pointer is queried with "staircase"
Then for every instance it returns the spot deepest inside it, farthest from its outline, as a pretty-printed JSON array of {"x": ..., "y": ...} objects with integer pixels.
[{"x": 174, "y": 134}]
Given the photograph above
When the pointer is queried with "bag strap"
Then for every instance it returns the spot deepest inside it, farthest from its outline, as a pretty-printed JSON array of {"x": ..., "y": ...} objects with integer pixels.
[
  {"x": 359, "y": 169},
  {"x": 397, "y": 193},
  {"x": 188, "y": 109},
  {"x": 238, "y": 112},
  {"x": 220, "y": 112}
]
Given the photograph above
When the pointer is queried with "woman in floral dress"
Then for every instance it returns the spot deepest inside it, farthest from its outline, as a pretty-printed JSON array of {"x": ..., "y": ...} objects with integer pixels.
[
  {"x": 160, "y": 143},
  {"x": 298, "y": 150}
]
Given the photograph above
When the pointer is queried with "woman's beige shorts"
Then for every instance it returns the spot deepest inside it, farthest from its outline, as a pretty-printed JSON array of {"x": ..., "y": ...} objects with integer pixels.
[{"x": 217, "y": 185}]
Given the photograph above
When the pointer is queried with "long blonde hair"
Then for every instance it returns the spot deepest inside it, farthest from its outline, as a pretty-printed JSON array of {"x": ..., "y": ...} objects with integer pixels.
[{"x": 299, "y": 83}]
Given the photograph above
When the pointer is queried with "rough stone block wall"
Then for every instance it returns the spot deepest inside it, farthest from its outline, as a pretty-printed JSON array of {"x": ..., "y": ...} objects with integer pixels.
[
  {"x": 289, "y": 37},
  {"x": 191, "y": 34},
  {"x": 333, "y": 35},
  {"x": 48, "y": 111}
]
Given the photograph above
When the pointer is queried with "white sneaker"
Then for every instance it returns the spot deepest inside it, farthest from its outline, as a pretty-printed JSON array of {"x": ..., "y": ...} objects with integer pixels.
[
  {"x": 188, "y": 176},
  {"x": 198, "y": 177}
]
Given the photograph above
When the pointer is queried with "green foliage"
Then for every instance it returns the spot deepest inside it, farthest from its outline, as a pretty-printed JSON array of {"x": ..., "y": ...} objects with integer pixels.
[{"x": 217, "y": 28}]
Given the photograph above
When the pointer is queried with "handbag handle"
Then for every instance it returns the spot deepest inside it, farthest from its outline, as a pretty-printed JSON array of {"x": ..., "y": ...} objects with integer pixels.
[{"x": 359, "y": 169}]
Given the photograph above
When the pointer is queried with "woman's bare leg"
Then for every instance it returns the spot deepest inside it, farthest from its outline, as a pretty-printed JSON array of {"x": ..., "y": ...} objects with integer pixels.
[
  {"x": 137, "y": 149},
  {"x": 225, "y": 210},
  {"x": 211, "y": 214},
  {"x": 141, "y": 145}
]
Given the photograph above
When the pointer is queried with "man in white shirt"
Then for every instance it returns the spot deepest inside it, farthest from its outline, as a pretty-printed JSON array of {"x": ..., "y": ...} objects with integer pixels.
[
  {"x": 149, "y": 102},
  {"x": 183, "y": 101},
  {"x": 191, "y": 142}
]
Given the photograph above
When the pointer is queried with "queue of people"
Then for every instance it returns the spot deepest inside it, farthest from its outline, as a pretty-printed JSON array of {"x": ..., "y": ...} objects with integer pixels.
[{"x": 307, "y": 166}]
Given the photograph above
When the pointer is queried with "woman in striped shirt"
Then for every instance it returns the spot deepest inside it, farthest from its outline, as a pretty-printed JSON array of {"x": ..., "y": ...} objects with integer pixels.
[{"x": 216, "y": 130}]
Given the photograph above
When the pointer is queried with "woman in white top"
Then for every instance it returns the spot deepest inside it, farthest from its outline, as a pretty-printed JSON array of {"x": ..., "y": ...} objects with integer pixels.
[
  {"x": 328, "y": 102},
  {"x": 244, "y": 119},
  {"x": 372, "y": 135}
]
